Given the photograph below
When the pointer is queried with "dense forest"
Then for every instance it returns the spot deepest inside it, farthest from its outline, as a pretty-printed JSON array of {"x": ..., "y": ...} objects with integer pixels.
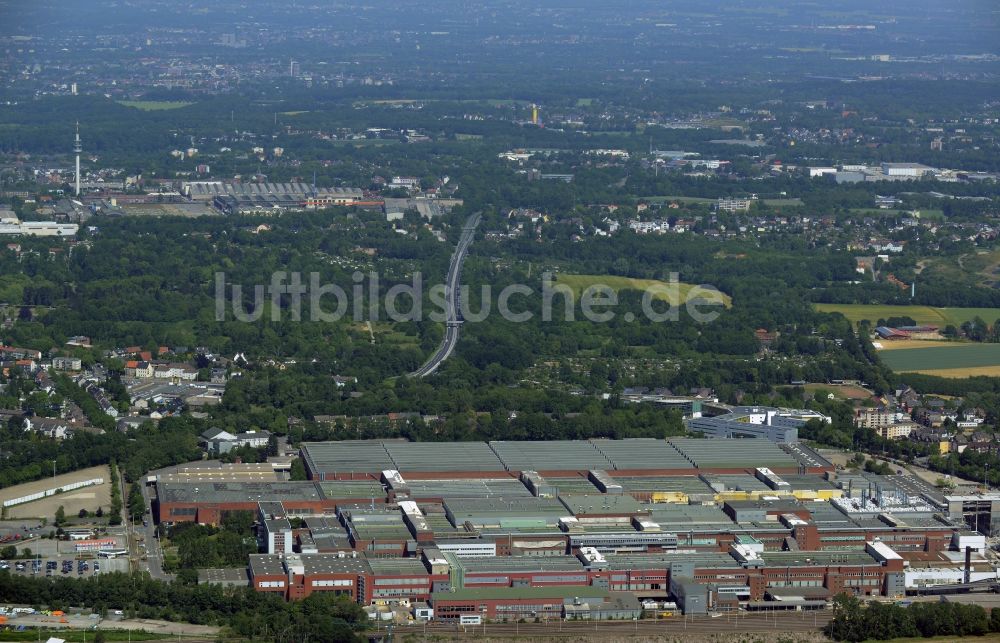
[{"x": 244, "y": 612}]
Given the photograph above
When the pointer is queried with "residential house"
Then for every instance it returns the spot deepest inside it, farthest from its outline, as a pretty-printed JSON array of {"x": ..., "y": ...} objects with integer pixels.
[
  {"x": 134, "y": 368},
  {"x": 67, "y": 363},
  {"x": 12, "y": 352},
  {"x": 101, "y": 398},
  {"x": 896, "y": 430},
  {"x": 55, "y": 428},
  {"x": 874, "y": 418},
  {"x": 172, "y": 371},
  {"x": 218, "y": 441}
]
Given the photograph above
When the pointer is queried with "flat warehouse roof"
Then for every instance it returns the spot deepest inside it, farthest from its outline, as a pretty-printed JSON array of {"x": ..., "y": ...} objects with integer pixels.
[
  {"x": 266, "y": 564},
  {"x": 224, "y": 575},
  {"x": 327, "y": 564}
]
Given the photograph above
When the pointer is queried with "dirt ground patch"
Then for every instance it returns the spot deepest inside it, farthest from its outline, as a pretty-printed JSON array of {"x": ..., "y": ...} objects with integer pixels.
[
  {"x": 89, "y": 498},
  {"x": 844, "y": 392}
]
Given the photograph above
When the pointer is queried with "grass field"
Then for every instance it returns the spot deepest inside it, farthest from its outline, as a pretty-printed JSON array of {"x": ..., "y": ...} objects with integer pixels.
[
  {"x": 579, "y": 283},
  {"x": 154, "y": 105},
  {"x": 929, "y": 315},
  {"x": 958, "y": 360}
]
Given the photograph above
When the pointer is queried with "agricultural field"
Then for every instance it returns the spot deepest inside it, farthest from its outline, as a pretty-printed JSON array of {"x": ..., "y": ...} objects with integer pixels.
[
  {"x": 89, "y": 498},
  {"x": 154, "y": 105},
  {"x": 958, "y": 360},
  {"x": 579, "y": 283},
  {"x": 917, "y": 344},
  {"x": 924, "y": 315}
]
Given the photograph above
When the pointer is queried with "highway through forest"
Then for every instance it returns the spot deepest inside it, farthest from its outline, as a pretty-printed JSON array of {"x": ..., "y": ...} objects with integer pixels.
[{"x": 453, "y": 320}]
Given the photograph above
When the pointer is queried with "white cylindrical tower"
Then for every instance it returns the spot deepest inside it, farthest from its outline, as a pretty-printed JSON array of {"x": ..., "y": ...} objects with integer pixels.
[{"x": 77, "y": 148}]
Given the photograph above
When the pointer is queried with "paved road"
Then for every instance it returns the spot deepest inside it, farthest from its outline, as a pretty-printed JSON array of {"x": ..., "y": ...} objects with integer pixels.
[
  {"x": 453, "y": 297},
  {"x": 154, "y": 555}
]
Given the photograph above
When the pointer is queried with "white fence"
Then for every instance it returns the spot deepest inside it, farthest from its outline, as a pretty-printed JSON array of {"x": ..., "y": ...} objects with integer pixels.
[{"x": 51, "y": 492}]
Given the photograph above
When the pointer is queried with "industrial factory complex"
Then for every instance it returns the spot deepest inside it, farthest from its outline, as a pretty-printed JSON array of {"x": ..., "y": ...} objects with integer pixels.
[{"x": 587, "y": 529}]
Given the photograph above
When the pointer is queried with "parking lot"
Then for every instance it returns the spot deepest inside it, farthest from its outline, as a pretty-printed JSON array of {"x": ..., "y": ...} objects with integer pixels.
[{"x": 77, "y": 566}]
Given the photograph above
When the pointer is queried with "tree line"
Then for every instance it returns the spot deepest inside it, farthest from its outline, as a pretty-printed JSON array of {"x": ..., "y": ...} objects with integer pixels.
[{"x": 854, "y": 621}]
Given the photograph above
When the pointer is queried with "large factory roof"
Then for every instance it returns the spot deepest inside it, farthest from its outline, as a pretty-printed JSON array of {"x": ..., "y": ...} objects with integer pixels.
[
  {"x": 505, "y": 511},
  {"x": 642, "y": 453},
  {"x": 736, "y": 482},
  {"x": 347, "y": 456},
  {"x": 397, "y": 566},
  {"x": 394, "y": 531},
  {"x": 514, "y": 564},
  {"x": 325, "y": 564},
  {"x": 733, "y": 454},
  {"x": 701, "y": 560},
  {"x": 443, "y": 456},
  {"x": 683, "y": 517},
  {"x": 207, "y": 190},
  {"x": 563, "y": 455},
  {"x": 597, "y": 504},
  {"x": 572, "y": 484},
  {"x": 443, "y": 529},
  {"x": 352, "y": 489},
  {"x": 689, "y": 485},
  {"x": 805, "y": 455},
  {"x": 374, "y": 456},
  {"x": 227, "y": 492},
  {"x": 500, "y": 593},
  {"x": 779, "y": 559},
  {"x": 468, "y": 488},
  {"x": 266, "y": 565}
]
